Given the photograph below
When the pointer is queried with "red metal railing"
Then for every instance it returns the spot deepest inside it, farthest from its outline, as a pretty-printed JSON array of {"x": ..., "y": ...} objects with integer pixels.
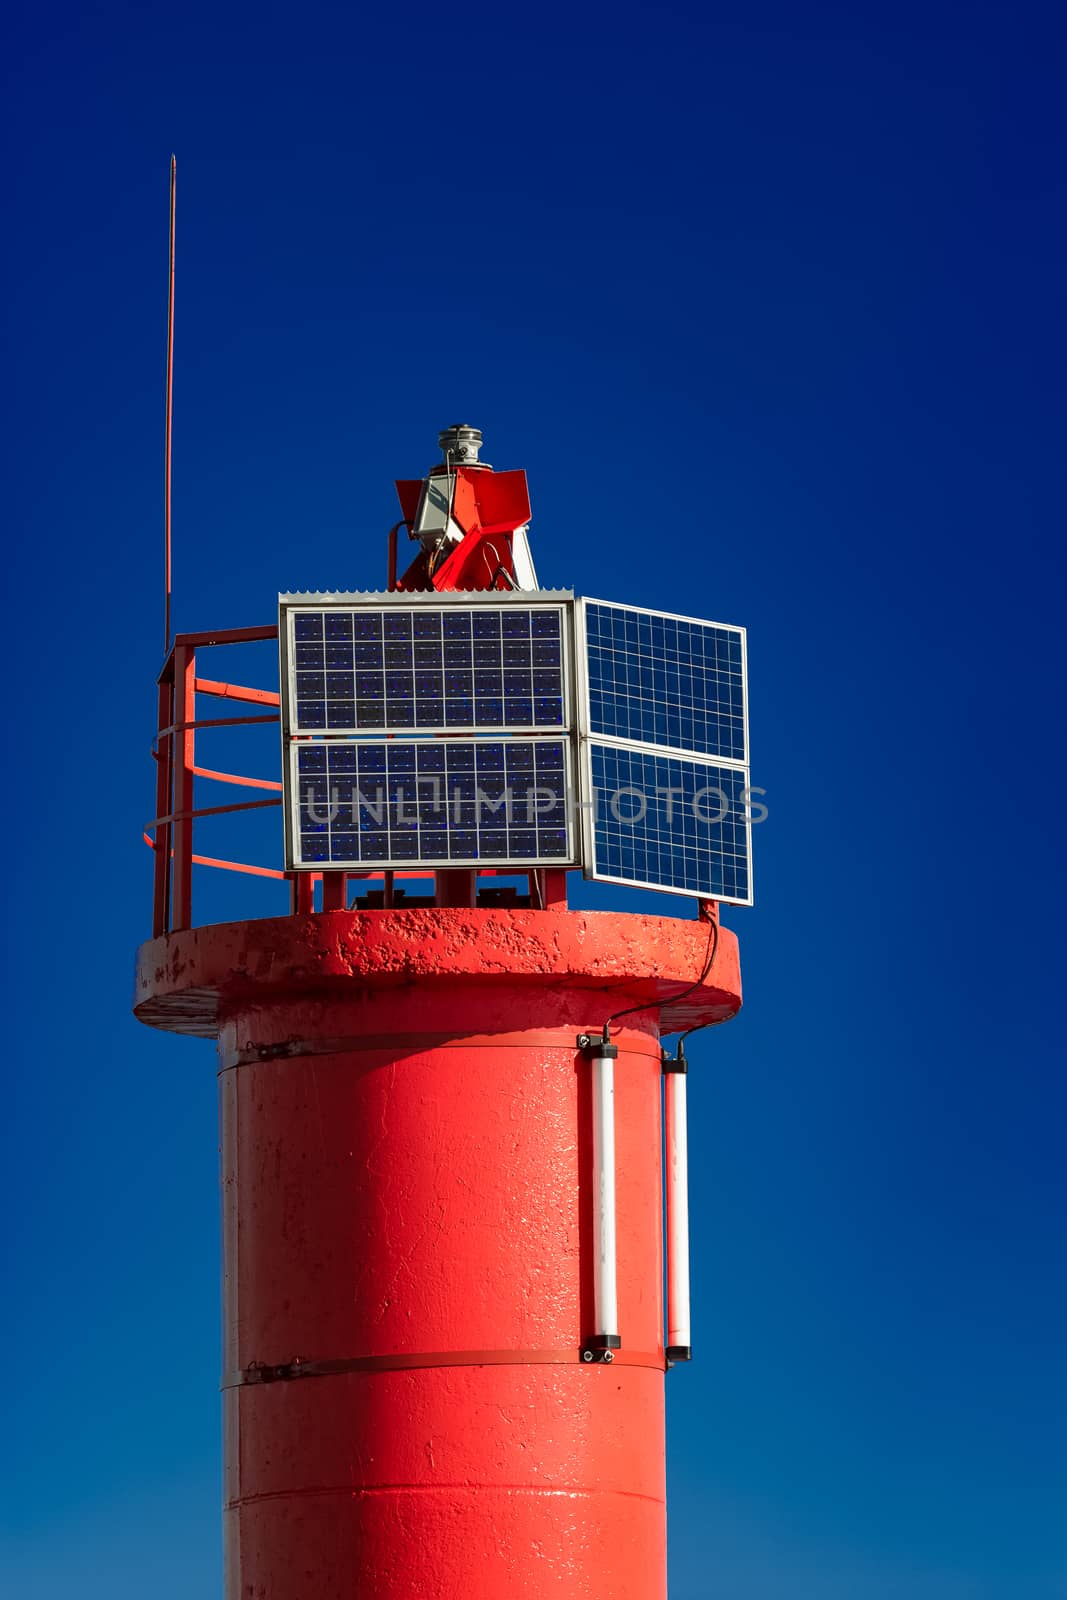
[
  {"x": 176, "y": 769},
  {"x": 170, "y": 833}
]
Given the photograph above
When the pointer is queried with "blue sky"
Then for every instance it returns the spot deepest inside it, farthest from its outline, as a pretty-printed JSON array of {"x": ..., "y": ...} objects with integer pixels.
[{"x": 769, "y": 307}]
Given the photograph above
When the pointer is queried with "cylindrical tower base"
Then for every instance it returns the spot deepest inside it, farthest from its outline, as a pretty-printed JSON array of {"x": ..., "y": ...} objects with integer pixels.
[{"x": 406, "y": 1157}]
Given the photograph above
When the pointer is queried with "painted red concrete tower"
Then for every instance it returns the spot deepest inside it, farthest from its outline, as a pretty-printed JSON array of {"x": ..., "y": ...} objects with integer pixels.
[{"x": 420, "y": 1400}]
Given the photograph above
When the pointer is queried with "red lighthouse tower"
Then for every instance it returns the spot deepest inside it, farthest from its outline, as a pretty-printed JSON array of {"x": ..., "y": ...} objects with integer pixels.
[{"x": 446, "y": 1326}]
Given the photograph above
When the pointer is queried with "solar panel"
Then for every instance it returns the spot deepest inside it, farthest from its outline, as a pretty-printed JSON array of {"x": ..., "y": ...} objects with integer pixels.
[
  {"x": 670, "y": 682},
  {"x": 432, "y": 802},
  {"x": 668, "y": 822},
  {"x": 411, "y": 666}
]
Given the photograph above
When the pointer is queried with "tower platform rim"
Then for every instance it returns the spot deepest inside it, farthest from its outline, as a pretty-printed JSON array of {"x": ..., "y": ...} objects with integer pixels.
[{"x": 187, "y": 982}]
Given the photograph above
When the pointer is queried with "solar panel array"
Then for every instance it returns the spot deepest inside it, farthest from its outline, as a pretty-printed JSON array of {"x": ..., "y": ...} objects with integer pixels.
[
  {"x": 433, "y": 731},
  {"x": 424, "y": 667}
]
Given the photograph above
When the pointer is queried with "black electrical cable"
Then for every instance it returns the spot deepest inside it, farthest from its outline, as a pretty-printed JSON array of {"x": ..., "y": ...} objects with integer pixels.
[
  {"x": 697, "y": 1027},
  {"x": 657, "y": 1005}
]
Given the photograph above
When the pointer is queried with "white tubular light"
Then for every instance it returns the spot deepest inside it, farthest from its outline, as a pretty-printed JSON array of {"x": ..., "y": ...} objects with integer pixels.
[
  {"x": 679, "y": 1333},
  {"x": 605, "y": 1337}
]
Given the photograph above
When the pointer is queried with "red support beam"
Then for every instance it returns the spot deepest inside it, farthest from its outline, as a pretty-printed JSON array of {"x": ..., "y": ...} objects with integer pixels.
[
  {"x": 334, "y": 891},
  {"x": 457, "y": 889},
  {"x": 164, "y": 765},
  {"x": 301, "y": 894},
  {"x": 238, "y": 866},
  {"x": 186, "y": 723},
  {"x": 238, "y": 691},
  {"x": 233, "y": 777},
  {"x": 196, "y": 641},
  {"x": 214, "y": 811},
  {"x": 182, "y": 744},
  {"x": 553, "y": 889},
  {"x": 390, "y": 582}
]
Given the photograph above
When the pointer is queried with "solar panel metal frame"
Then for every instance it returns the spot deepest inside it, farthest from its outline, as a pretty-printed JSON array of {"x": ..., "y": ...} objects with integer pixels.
[
  {"x": 506, "y": 864},
  {"x": 561, "y": 600},
  {"x": 587, "y": 739}
]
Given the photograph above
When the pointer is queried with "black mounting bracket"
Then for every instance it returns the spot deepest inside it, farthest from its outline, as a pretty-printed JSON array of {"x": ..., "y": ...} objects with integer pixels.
[
  {"x": 601, "y": 1347},
  {"x": 596, "y": 1045}
]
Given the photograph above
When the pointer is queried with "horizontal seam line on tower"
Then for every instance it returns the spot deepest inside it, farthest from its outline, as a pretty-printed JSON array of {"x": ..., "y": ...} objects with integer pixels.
[
  {"x": 352, "y": 1491},
  {"x": 261, "y": 1376},
  {"x": 259, "y": 1055}
]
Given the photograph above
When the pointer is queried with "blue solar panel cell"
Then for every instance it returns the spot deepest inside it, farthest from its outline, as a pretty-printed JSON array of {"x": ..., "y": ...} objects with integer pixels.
[
  {"x": 669, "y": 822},
  {"x": 670, "y": 682},
  {"x": 400, "y": 669},
  {"x": 433, "y": 802}
]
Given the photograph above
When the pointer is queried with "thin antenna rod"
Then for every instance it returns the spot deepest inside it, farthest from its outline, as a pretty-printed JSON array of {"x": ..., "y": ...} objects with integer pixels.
[{"x": 170, "y": 404}]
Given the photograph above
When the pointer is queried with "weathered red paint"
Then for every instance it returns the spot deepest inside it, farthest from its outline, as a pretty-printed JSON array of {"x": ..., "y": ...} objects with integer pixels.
[
  {"x": 187, "y": 981},
  {"x": 405, "y": 1155}
]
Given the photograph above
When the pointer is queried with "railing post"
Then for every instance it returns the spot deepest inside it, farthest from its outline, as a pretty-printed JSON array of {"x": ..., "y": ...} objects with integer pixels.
[
  {"x": 164, "y": 768},
  {"x": 455, "y": 888},
  {"x": 553, "y": 889},
  {"x": 183, "y": 744},
  {"x": 301, "y": 894},
  {"x": 391, "y": 575},
  {"x": 335, "y": 891}
]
